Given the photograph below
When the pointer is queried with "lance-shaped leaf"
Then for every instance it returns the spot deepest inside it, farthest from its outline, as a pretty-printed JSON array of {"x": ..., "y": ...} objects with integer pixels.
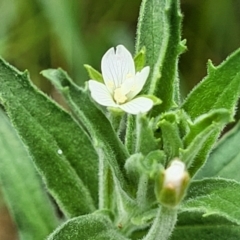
[
  {"x": 94, "y": 227},
  {"x": 192, "y": 225},
  {"x": 220, "y": 89},
  {"x": 202, "y": 134},
  {"x": 153, "y": 33},
  {"x": 105, "y": 139},
  {"x": 224, "y": 161},
  {"x": 61, "y": 150},
  {"x": 170, "y": 135},
  {"x": 145, "y": 140},
  {"x": 221, "y": 116},
  {"x": 190, "y": 154},
  {"x": 28, "y": 202},
  {"x": 159, "y": 31},
  {"x": 214, "y": 197}
]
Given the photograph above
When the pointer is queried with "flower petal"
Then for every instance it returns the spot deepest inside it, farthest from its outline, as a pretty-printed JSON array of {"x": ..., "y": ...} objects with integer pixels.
[
  {"x": 116, "y": 66},
  {"x": 127, "y": 85},
  {"x": 140, "y": 80},
  {"x": 137, "y": 105},
  {"x": 100, "y": 94}
]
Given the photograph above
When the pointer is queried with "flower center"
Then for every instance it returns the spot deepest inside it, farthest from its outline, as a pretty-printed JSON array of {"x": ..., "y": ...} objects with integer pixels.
[{"x": 119, "y": 96}]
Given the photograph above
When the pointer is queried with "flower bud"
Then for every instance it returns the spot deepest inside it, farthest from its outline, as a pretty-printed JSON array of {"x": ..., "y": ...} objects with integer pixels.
[{"x": 172, "y": 184}]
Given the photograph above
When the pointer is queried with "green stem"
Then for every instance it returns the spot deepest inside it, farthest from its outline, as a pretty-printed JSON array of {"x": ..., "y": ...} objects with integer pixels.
[
  {"x": 142, "y": 191},
  {"x": 163, "y": 224},
  {"x": 105, "y": 183},
  {"x": 121, "y": 131},
  {"x": 130, "y": 134},
  {"x": 115, "y": 119}
]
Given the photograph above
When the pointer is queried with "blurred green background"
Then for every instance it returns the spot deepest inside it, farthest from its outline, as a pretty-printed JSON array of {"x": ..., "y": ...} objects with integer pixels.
[{"x": 40, "y": 34}]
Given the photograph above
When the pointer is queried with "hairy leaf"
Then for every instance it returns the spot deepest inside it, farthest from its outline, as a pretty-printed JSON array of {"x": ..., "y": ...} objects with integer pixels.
[
  {"x": 153, "y": 34},
  {"x": 94, "y": 227},
  {"x": 220, "y": 116},
  {"x": 28, "y": 202},
  {"x": 61, "y": 150},
  {"x": 190, "y": 154},
  {"x": 200, "y": 133},
  {"x": 86, "y": 113},
  {"x": 220, "y": 89},
  {"x": 214, "y": 197},
  {"x": 192, "y": 225},
  {"x": 159, "y": 31},
  {"x": 170, "y": 135},
  {"x": 145, "y": 141},
  {"x": 224, "y": 161}
]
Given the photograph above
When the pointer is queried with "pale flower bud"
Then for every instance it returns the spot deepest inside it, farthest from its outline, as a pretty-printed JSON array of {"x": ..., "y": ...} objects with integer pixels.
[{"x": 173, "y": 183}]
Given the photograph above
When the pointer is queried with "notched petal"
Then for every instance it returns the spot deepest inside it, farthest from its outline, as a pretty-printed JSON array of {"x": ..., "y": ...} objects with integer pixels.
[{"x": 116, "y": 66}]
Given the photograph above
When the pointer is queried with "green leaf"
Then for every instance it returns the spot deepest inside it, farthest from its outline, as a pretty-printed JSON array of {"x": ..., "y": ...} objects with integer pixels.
[
  {"x": 220, "y": 89},
  {"x": 200, "y": 132},
  {"x": 190, "y": 154},
  {"x": 203, "y": 153},
  {"x": 53, "y": 140},
  {"x": 192, "y": 225},
  {"x": 93, "y": 73},
  {"x": 153, "y": 34},
  {"x": 28, "y": 202},
  {"x": 93, "y": 226},
  {"x": 104, "y": 138},
  {"x": 167, "y": 87},
  {"x": 170, "y": 135},
  {"x": 145, "y": 140},
  {"x": 214, "y": 197},
  {"x": 152, "y": 30},
  {"x": 224, "y": 161},
  {"x": 159, "y": 30},
  {"x": 220, "y": 116},
  {"x": 106, "y": 142}
]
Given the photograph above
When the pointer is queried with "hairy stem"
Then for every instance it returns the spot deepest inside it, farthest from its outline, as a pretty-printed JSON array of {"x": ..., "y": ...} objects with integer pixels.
[{"x": 163, "y": 224}]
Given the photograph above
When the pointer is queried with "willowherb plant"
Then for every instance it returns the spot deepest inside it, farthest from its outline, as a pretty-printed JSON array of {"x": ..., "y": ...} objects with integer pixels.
[{"x": 128, "y": 159}]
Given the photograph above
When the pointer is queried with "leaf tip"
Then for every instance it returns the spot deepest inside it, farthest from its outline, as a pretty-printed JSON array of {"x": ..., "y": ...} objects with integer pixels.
[
  {"x": 210, "y": 67},
  {"x": 182, "y": 47}
]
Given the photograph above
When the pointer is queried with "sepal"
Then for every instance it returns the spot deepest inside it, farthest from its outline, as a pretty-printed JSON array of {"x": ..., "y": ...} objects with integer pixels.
[
  {"x": 93, "y": 73},
  {"x": 156, "y": 100},
  {"x": 140, "y": 59}
]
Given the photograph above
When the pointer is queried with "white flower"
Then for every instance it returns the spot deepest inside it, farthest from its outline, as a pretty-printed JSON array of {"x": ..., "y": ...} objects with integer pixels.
[
  {"x": 121, "y": 83},
  {"x": 175, "y": 175},
  {"x": 173, "y": 184}
]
